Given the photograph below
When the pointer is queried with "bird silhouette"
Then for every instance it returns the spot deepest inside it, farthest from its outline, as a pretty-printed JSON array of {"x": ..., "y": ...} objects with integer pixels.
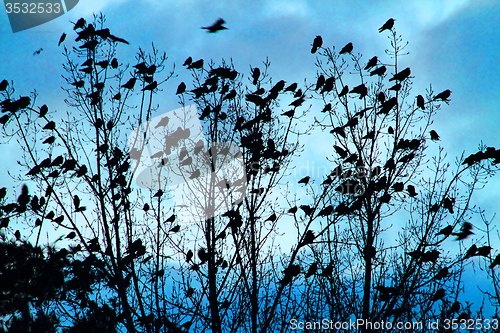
[
  {"x": 346, "y": 49},
  {"x": 289, "y": 113},
  {"x": 342, "y": 153},
  {"x": 387, "y": 25},
  {"x": 411, "y": 191},
  {"x": 130, "y": 83},
  {"x": 195, "y": 174},
  {"x": 217, "y": 26},
  {"x": 188, "y": 61},
  {"x": 390, "y": 130},
  {"x": 293, "y": 210},
  {"x": 465, "y": 231},
  {"x": 440, "y": 293},
  {"x": 3, "y": 85},
  {"x": 150, "y": 87},
  {"x": 320, "y": 82},
  {"x": 118, "y": 96},
  {"x": 395, "y": 87},
  {"x": 292, "y": 87},
  {"x": 304, "y": 180},
  {"x": 344, "y": 91},
  {"x": 401, "y": 75},
  {"x": 443, "y": 96},
  {"x": 421, "y": 102},
  {"x": 328, "y": 107},
  {"x": 434, "y": 135},
  {"x": 387, "y": 106},
  {"x": 298, "y": 102},
  {"x": 371, "y": 63},
  {"x": 37, "y": 52},
  {"x": 50, "y": 125},
  {"x": 80, "y": 24},
  {"x": 61, "y": 39},
  {"x": 317, "y": 43},
  {"x": 328, "y": 86},
  {"x": 378, "y": 71},
  {"x": 196, "y": 65},
  {"x": 255, "y": 75},
  {"x": 340, "y": 131},
  {"x": 361, "y": 90},
  {"x": 50, "y": 140},
  {"x": 307, "y": 210}
]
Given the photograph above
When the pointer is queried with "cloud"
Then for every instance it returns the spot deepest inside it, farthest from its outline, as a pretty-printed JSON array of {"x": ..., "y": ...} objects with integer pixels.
[{"x": 286, "y": 8}]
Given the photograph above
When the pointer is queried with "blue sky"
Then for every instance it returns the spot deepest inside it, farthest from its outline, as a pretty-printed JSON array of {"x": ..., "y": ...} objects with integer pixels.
[{"x": 453, "y": 44}]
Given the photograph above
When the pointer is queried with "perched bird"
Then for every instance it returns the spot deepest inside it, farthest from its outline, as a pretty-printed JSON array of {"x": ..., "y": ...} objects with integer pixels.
[
  {"x": 114, "y": 63},
  {"x": 421, "y": 102},
  {"x": 317, "y": 43},
  {"x": 196, "y": 65},
  {"x": 347, "y": 49},
  {"x": 255, "y": 75},
  {"x": 293, "y": 210},
  {"x": 443, "y": 273},
  {"x": 434, "y": 135},
  {"x": 411, "y": 191},
  {"x": 320, "y": 82},
  {"x": 3, "y": 85},
  {"x": 344, "y": 91},
  {"x": 217, "y": 26},
  {"x": 50, "y": 125},
  {"x": 195, "y": 174},
  {"x": 387, "y": 106},
  {"x": 271, "y": 218},
  {"x": 307, "y": 210},
  {"x": 361, "y": 90},
  {"x": 50, "y": 140},
  {"x": 378, "y": 71},
  {"x": 387, "y": 25},
  {"x": 401, "y": 75},
  {"x": 63, "y": 37},
  {"x": 80, "y": 24},
  {"x": 289, "y": 113},
  {"x": 188, "y": 61},
  {"x": 390, "y": 130},
  {"x": 395, "y": 87},
  {"x": 443, "y": 95},
  {"x": 130, "y": 83},
  {"x": 150, "y": 87},
  {"x": 342, "y": 153},
  {"x": 371, "y": 63},
  {"x": 483, "y": 251},
  {"x": 175, "y": 229},
  {"x": 304, "y": 180}
]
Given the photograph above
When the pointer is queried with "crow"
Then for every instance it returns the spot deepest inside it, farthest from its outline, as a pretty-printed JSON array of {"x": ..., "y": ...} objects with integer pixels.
[
  {"x": 320, "y": 82},
  {"x": 395, "y": 87},
  {"x": 361, "y": 90},
  {"x": 50, "y": 126},
  {"x": 344, "y": 91},
  {"x": 3, "y": 85},
  {"x": 443, "y": 95},
  {"x": 328, "y": 86},
  {"x": 63, "y": 37},
  {"x": 292, "y": 87},
  {"x": 217, "y": 26},
  {"x": 289, "y": 113},
  {"x": 196, "y": 65},
  {"x": 80, "y": 24},
  {"x": 342, "y": 153},
  {"x": 130, "y": 83},
  {"x": 411, "y": 191},
  {"x": 371, "y": 63},
  {"x": 378, "y": 71},
  {"x": 312, "y": 270},
  {"x": 388, "y": 105},
  {"x": 421, "y": 102},
  {"x": 390, "y": 130},
  {"x": 387, "y": 25},
  {"x": 150, "y": 87},
  {"x": 401, "y": 75},
  {"x": 317, "y": 43},
  {"x": 434, "y": 135},
  {"x": 346, "y": 49},
  {"x": 304, "y": 180}
]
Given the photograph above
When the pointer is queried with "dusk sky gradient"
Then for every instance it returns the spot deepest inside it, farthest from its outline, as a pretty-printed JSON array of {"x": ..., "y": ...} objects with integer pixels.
[{"x": 453, "y": 44}]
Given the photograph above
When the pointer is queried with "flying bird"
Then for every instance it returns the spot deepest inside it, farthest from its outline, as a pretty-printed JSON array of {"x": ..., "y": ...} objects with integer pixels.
[
  {"x": 387, "y": 25},
  {"x": 217, "y": 26},
  {"x": 346, "y": 49},
  {"x": 317, "y": 43},
  {"x": 37, "y": 52}
]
